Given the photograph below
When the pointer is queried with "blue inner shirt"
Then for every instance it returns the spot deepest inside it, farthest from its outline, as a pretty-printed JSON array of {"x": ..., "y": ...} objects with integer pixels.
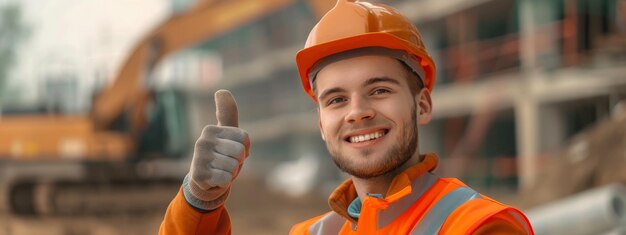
[{"x": 354, "y": 209}]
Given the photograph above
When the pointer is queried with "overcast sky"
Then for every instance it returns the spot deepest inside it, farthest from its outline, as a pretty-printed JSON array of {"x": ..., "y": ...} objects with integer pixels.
[{"x": 80, "y": 36}]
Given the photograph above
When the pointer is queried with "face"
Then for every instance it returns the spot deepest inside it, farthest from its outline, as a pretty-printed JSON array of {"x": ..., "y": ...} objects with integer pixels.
[{"x": 368, "y": 115}]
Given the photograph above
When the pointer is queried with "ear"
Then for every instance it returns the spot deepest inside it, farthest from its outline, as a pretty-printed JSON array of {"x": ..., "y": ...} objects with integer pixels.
[
  {"x": 319, "y": 124},
  {"x": 425, "y": 104}
]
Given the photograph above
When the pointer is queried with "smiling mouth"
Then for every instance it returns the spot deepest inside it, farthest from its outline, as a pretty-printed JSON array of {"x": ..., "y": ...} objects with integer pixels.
[{"x": 367, "y": 137}]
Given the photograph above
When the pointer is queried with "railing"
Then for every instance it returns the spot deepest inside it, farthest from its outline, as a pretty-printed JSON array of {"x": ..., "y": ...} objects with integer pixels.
[{"x": 479, "y": 59}]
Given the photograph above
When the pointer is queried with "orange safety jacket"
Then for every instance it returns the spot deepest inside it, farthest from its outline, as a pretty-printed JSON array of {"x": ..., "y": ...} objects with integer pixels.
[{"x": 417, "y": 203}]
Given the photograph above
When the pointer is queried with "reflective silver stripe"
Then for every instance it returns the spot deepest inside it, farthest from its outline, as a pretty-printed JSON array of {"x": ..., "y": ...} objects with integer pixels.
[
  {"x": 433, "y": 220},
  {"x": 418, "y": 187},
  {"x": 331, "y": 223}
]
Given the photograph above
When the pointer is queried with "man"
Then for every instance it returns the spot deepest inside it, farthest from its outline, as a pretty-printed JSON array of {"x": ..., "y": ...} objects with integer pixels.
[{"x": 366, "y": 68}]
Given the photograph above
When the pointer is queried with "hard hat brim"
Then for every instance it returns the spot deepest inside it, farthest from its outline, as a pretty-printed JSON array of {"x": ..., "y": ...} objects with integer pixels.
[{"x": 306, "y": 58}]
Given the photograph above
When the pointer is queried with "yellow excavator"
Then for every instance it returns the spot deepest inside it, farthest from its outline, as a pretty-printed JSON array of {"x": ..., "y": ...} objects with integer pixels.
[{"x": 117, "y": 158}]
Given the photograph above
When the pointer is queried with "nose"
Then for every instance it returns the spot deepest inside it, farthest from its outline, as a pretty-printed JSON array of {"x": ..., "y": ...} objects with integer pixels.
[{"x": 360, "y": 110}]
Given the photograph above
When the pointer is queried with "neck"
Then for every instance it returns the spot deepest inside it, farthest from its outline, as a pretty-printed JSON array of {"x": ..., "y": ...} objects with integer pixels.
[{"x": 380, "y": 184}]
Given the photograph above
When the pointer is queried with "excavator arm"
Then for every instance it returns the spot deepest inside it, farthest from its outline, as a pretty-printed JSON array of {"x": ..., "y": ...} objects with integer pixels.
[{"x": 207, "y": 19}]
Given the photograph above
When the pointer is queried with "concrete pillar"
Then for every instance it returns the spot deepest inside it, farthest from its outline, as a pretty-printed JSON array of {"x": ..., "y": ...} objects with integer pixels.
[
  {"x": 526, "y": 105},
  {"x": 526, "y": 126}
]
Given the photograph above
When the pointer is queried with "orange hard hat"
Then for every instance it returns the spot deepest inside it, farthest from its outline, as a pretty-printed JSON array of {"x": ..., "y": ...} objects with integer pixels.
[{"x": 351, "y": 25}]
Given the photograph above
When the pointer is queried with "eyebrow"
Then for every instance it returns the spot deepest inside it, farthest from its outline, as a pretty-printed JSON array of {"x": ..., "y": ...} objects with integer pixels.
[
  {"x": 379, "y": 80},
  {"x": 370, "y": 81},
  {"x": 330, "y": 91}
]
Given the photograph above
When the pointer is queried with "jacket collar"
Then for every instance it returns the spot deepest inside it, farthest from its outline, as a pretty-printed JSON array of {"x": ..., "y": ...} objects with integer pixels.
[{"x": 401, "y": 186}]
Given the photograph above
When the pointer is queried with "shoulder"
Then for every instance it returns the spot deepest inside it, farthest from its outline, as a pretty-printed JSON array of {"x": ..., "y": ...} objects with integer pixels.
[
  {"x": 303, "y": 227},
  {"x": 477, "y": 212},
  {"x": 507, "y": 221},
  {"x": 329, "y": 223},
  {"x": 453, "y": 182},
  {"x": 487, "y": 216}
]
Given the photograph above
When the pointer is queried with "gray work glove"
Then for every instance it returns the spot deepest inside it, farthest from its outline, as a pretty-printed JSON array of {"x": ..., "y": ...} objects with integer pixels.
[{"x": 217, "y": 158}]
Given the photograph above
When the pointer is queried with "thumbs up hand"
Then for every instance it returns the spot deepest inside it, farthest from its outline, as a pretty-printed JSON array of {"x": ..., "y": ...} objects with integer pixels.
[{"x": 218, "y": 156}]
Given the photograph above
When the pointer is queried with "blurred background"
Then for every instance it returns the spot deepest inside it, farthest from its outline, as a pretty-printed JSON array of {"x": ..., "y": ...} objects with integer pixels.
[{"x": 101, "y": 102}]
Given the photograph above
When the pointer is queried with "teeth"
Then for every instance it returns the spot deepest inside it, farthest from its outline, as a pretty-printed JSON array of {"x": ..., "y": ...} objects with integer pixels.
[{"x": 366, "y": 137}]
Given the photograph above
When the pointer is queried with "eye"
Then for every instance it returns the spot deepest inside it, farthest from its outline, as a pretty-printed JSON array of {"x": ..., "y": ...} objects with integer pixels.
[
  {"x": 335, "y": 100},
  {"x": 379, "y": 91}
]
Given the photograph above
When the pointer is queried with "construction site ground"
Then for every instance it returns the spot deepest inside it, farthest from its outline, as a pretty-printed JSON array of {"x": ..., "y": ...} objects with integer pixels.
[{"x": 253, "y": 210}]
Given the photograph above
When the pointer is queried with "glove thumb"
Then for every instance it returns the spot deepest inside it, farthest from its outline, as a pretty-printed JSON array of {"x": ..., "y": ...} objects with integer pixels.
[{"x": 226, "y": 109}]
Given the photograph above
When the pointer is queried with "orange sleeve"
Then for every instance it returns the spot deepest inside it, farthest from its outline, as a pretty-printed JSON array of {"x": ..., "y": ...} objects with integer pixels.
[
  {"x": 182, "y": 219},
  {"x": 502, "y": 223}
]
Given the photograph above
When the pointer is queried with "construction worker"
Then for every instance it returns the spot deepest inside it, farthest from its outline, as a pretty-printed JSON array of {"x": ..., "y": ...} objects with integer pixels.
[{"x": 367, "y": 69}]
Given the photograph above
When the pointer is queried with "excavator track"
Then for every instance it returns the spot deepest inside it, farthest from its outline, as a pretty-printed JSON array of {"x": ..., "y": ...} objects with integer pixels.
[
  {"x": 96, "y": 190},
  {"x": 90, "y": 198}
]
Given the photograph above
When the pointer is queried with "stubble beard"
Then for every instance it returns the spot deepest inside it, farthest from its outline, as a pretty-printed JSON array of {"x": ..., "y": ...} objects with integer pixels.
[{"x": 395, "y": 157}]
